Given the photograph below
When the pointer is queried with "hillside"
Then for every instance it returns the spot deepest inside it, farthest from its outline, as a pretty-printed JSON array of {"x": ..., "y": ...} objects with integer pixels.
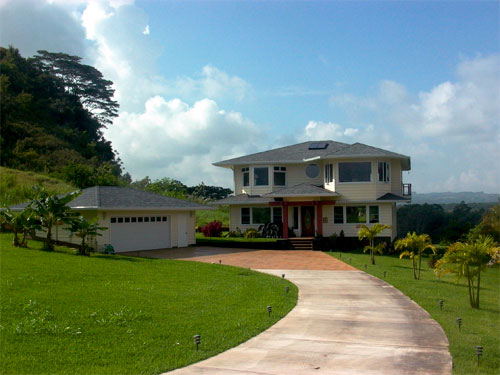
[
  {"x": 15, "y": 186},
  {"x": 450, "y": 197}
]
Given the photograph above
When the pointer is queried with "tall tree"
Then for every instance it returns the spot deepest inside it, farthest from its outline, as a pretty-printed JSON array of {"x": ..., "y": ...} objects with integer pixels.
[{"x": 84, "y": 81}]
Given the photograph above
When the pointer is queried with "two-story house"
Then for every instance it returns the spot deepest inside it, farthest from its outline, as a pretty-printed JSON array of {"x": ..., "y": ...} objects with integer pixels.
[{"x": 318, "y": 188}]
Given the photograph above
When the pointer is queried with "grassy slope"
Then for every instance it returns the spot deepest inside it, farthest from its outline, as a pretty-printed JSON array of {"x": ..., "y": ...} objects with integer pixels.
[
  {"x": 64, "y": 314},
  {"x": 16, "y": 186},
  {"x": 219, "y": 213},
  {"x": 480, "y": 327}
]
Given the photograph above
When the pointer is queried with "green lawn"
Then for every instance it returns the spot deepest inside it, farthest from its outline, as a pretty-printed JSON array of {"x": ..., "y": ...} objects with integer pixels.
[
  {"x": 479, "y": 327},
  {"x": 104, "y": 314}
]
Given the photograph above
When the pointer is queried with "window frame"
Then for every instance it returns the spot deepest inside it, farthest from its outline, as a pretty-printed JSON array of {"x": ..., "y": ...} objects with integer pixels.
[
  {"x": 255, "y": 176},
  {"x": 329, "y": 173},
  {"x": 335, "y": 217},
  {"x": 245, "y": 176},
  {"x": 281, "y": 171},
  {"x": 273, "y": 215},
  {"x": 347, "y": 214},
  {"x": 341, "y": 164},
  {"x": 384, "y": 171},
  {"x": 370, "y": 214},
  {"x": 244, "y": 215}
]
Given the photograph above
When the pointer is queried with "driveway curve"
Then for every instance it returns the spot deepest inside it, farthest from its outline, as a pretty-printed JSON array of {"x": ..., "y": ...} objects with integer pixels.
[{"x": 345, "y": 322}]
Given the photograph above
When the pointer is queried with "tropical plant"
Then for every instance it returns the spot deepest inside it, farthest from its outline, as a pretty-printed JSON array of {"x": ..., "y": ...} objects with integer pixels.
[
  {"x": 270, "y": 230},
  {"x": 251, "y": 233},
  {"x": 84, "y": 228},
  {"x": 469, "y": 259},
  {"x": 19, "y": 222},
  {"x": 52, "y": 210},
  {"x": 212, "y": 229},
  {"x": 414, "y": 245},
  {"x": 369, "y": 233}
]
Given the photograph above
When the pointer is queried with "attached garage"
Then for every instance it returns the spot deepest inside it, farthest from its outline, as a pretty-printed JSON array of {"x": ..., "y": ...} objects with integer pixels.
[{"x": 136, "y": 220}]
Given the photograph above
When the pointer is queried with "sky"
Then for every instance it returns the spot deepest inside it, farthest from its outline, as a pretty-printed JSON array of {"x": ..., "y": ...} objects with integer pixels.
[{"x": 200, "y": 82}]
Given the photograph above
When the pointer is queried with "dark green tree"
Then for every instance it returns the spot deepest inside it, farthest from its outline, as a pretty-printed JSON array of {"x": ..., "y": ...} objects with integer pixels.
[{"x": 84, "y": 228}]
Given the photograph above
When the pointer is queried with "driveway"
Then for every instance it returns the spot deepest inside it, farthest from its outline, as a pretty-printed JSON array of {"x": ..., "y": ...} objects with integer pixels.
[{"x": 345, "y": 322}]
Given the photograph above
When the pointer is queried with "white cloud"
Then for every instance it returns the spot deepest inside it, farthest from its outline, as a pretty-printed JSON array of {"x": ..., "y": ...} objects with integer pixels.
[
  {"x": 318, "y": 130},
  {"x": 171, "y": 138},
  {"x": 146, "y": 30},
  {"x": 211, "y": 83}
]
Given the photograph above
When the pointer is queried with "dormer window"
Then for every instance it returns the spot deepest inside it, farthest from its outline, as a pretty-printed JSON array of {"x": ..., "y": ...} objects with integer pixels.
[
  {"x": 246, "y": 176},
  {"x": 384, "y": 171},
  {"x": 261, "y": 176},
  {"x": 280, "y": 176}
]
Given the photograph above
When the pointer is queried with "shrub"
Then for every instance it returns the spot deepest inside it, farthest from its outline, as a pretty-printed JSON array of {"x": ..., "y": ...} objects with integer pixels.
[
  {"x": 251, "y": 233},
  {"x": 213, "y": 229},
  {"x": 234, "y": 233}
]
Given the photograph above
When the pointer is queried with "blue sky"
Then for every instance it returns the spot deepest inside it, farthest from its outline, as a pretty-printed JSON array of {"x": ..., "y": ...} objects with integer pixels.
[{"x": 199, "y": 82}]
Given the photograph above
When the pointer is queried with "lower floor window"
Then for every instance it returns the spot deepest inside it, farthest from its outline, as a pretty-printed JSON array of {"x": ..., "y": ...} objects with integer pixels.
[
  {"x": 338, "y": 215},
  {"x": 374, "y": 215},
  {"x": 261, "y": 215},
  {"x": 245, "y": 215},
  {"x": 355, "y": 214}
]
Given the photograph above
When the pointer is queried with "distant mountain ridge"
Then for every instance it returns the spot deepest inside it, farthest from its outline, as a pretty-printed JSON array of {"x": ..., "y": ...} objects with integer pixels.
[{"x": 450, "y": 197}]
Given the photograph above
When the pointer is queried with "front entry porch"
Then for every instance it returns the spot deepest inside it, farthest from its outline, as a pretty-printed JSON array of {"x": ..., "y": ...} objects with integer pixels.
[{"x": 308, "y": 213}]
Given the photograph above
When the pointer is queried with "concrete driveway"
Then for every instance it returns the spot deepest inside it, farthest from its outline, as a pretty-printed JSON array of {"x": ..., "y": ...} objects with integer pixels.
[{"x": 345, "y": 322}]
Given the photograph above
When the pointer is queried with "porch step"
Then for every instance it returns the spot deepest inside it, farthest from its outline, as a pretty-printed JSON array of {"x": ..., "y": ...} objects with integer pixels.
[{"x": 301, "y": 243}]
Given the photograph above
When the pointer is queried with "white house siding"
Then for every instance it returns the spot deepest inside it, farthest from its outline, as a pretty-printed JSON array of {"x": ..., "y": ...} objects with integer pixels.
[{"x": 351, "y": 230}]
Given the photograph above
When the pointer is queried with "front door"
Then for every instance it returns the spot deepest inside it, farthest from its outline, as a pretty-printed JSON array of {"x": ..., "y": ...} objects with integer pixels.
[{"x": 307, "y": 217}]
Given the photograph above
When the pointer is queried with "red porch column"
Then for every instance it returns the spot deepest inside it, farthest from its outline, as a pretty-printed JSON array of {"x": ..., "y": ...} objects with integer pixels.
[
  {"x": 319, "y": 219},
  {"x": 285, "y": 220}
]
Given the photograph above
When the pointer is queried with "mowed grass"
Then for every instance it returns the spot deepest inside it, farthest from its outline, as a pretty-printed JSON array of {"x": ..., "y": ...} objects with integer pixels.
[
  {"x": 479, "y": 327},
  {"x": 104, "y": 314}
]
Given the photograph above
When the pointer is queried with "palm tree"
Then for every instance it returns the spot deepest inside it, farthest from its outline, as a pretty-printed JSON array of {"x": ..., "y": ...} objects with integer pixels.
[
  {"x": 370, "y": 233},
  {"x": 414, "y": 246},
  {"x": 83, "y": 228},
  {"x": 52, "y": 210},
  {"x": 22, "y": 222},
  {"x": 469, "y": 259}
]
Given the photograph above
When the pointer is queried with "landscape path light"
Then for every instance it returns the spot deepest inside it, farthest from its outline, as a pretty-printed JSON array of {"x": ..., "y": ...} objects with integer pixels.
[
  {"x": 441, "y": 304},
  {"x": 282, "y": 275},
  {"x": 459, "y": 323},
  {"x": 197, "y": 341},
  {"x": 287, "y": 288},
  {"x": 385, "y": 273},
  {"x": 479, "y": 352},
  {"x": 269, "y": 309}
]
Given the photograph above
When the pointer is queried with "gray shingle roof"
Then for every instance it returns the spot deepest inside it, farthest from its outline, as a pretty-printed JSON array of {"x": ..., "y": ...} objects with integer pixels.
[
  {"x": 115, "y": 197},
  {"x": 392, "y": 197},
  {"x": 300, "y": 152},
  {"x": 302, "y": 190},
  {"x": 243, "y": 199},
  {"x": 291, "y": 154}
]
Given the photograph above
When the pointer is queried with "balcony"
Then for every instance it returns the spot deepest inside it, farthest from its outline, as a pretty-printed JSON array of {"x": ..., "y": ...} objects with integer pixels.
[{"x": 406, "y": 190}]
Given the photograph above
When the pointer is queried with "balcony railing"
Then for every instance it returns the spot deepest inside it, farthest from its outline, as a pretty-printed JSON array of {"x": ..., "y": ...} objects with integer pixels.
[{"x": 406, "y": 189}]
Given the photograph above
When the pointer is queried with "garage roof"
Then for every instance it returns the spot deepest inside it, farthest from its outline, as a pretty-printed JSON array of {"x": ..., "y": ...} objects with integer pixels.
[{"x": 123, "y": 198}]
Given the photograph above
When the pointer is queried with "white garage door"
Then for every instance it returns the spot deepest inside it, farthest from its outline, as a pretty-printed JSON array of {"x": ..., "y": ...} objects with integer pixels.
[{"x": 129, "y": 233}]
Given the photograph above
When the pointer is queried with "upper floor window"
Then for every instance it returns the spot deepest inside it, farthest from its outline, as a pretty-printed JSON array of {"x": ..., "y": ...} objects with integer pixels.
[
  {"x": 246, "y": 176},
  {"x": 328, "y": 173},
  {"x": 261, "y": 176},
  {"x": 280, "y": 176},
  {"x": 355, "y": 172},
  {"x": 384, "y": 171}
]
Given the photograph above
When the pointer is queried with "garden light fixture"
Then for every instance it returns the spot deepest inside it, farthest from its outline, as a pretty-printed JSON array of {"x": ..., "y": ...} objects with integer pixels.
[
  {"x": 479, "y": 352},
  {"x": 197, "y": 341},
  {"x": 459, "y": 323},
  {"x": 269, "y": 309}
]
